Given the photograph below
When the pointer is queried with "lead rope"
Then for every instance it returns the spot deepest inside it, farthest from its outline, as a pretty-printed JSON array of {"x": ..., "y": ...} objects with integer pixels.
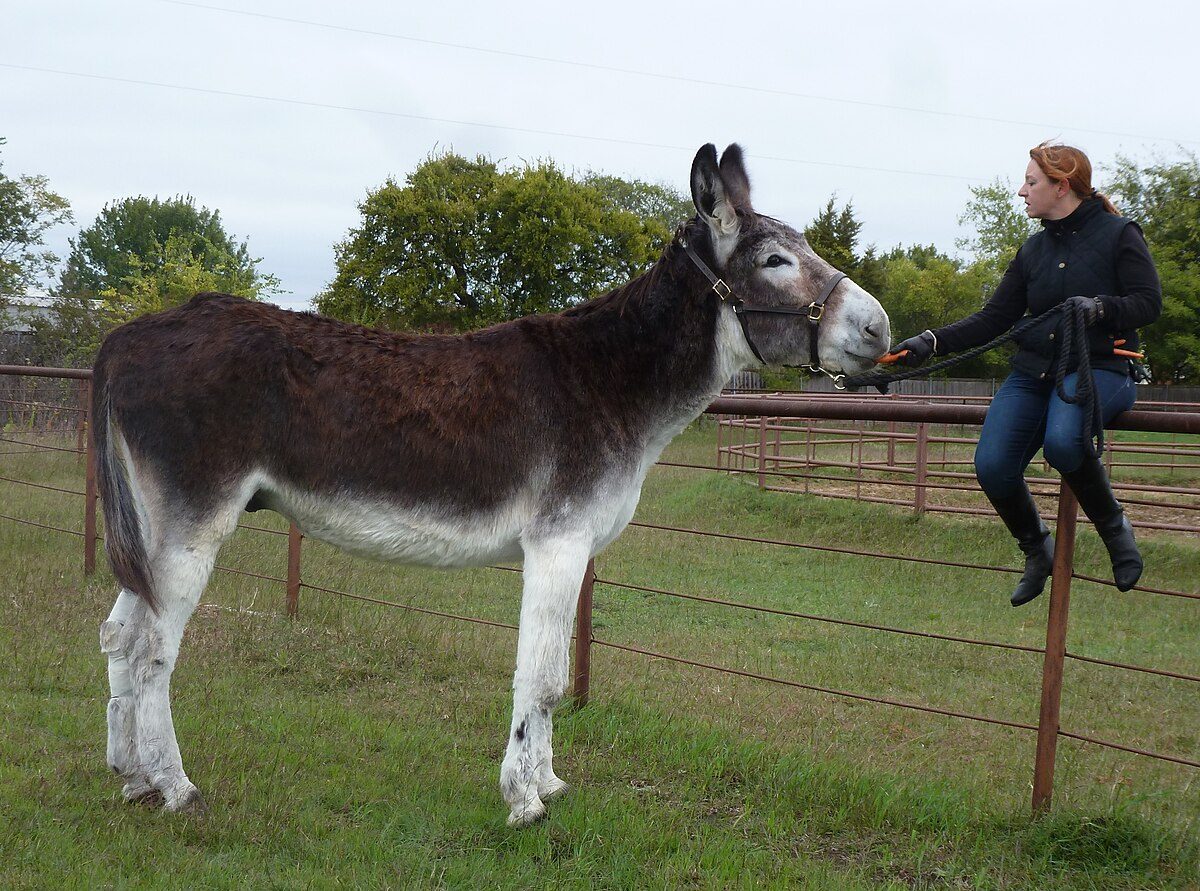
[{"x": 1072, "y": 329}]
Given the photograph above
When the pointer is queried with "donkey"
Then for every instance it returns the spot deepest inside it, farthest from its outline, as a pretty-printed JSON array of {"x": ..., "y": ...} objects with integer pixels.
[{"x": 528, "y": 440}]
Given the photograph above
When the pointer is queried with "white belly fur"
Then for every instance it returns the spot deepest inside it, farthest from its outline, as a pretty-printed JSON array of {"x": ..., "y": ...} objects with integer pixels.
[
  {"x": 385, "y": 531},
  {"x": 374, "y": 528}
]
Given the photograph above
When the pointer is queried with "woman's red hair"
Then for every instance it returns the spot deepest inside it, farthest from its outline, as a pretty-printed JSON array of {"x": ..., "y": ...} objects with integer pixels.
[{"x": 1065, "y": 163}]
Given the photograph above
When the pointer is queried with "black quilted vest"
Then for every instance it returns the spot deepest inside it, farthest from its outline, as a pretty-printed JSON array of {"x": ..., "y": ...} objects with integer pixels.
[{"x": 1074, "y": 255}]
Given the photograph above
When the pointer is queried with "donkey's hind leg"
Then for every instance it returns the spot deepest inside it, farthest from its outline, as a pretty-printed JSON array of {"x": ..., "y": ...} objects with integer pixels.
[
  {"x": 122, "y": 755},
  {"x": 180, "y": 570},
  {"x": 553, "y": 572}
]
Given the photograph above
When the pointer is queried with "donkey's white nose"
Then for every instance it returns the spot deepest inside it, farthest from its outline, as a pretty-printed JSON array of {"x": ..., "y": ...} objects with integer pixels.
[{"x": 877, "y": 331}]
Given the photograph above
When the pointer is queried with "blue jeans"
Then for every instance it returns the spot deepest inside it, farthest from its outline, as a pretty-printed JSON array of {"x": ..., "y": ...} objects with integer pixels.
[{"x": 1026, "y": 414}]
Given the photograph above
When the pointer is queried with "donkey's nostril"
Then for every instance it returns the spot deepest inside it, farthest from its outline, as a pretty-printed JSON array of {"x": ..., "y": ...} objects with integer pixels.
[{"x": 872, "y": 331}]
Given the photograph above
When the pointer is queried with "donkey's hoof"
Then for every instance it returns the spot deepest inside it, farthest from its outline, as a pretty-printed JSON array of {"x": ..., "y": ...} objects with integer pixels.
[
  {"x": 142, "y": 793},
  {"x": 189, "y": 801},
  {"x": 555, "y": 788},
  {"x": 527, "y": 814}
]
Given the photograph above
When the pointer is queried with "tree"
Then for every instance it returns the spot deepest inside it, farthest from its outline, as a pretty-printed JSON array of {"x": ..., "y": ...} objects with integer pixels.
[
  {"x": 870, "y": 271},
  {"x": 1000, "y": 225},
  {"x": 928, "y": 290},
  {"x": 28, "y": 209},
  {"x": 141, "y": 255},
  {"x": 137, "y": 239},
  {"x": 834, "y": 236},
  {"x": 656, "y": 202},
  {"x": 462, "y": 244},
  {"x": 1164, "y": 197}
]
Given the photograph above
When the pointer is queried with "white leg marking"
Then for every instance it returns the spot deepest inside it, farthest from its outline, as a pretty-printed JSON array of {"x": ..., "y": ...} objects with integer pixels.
[
  {"x": 553, "y": 572},
  {"x": 122, "y": 726},
  {"x": 180, "y": 574}
]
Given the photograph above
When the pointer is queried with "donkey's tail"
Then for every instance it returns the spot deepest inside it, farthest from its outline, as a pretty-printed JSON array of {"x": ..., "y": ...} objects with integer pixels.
[{"x": 123, "y": 539}]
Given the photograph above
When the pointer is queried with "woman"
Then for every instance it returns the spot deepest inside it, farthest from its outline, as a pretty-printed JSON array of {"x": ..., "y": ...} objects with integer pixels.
[{"x": 1090, "y": 256}]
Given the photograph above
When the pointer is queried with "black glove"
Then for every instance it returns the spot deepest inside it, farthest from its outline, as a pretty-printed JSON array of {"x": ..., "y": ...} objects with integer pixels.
[
  {"x": 916, "y": 349},
  {"x": 1090, "y": 308}
]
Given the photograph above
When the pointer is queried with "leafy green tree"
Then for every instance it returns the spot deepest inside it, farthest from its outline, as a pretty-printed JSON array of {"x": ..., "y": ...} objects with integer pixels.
[
  {"x": 462, "y": 244},
  {"x": 28, "y": 209},
  {"x": 924, "y": 288},
  {"x": 999, "y": 223},
  {"x": 176, "y": 271},
  {"x": 137, "y": 238},
  {"x": 1164, "y": 197},
  {"x": 651, "y": 202},
  {"x": 141, "y": 255}
]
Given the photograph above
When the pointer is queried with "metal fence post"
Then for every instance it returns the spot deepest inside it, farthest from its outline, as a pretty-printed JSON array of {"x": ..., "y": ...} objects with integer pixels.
[
  {"x": 583, "y": 636},
  {"x": 922, "y": 467},
  {"x": 82, "y": 393},
  {"x": 778, "y": 453},
  {"x": 762, "y": 451},
  {"x": 293, "y": 571},
  {"x": 90, "y": 496},
  {"x": 1056, "y": 647},
  {"x": 720, "y": 454}
]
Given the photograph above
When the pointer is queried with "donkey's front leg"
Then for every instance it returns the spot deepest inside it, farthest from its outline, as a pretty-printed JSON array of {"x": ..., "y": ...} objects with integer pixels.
[{"x": 553, "y": 573}]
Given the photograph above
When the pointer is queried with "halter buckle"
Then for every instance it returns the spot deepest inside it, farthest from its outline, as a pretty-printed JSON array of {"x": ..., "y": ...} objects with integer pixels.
[
  {"x": 723, "y": 290},
  {"x": 815, "y": 311}
]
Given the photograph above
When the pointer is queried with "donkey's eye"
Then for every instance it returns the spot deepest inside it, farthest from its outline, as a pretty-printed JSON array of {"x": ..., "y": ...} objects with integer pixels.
[{"x": 776, "y": 260}]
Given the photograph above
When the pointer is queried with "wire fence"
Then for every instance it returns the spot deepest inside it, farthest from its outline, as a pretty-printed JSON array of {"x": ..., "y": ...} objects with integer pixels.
[{"x": 762, "y": 408}]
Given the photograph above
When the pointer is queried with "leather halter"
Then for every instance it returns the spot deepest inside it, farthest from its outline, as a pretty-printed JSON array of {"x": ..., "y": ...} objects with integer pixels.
[{"x": 813, "y": 312}]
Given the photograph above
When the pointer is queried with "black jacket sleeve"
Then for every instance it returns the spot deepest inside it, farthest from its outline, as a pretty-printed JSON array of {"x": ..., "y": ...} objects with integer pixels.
[
  {"x": 1140, "y": 300},
  {"x": 1001, "y": 312}
]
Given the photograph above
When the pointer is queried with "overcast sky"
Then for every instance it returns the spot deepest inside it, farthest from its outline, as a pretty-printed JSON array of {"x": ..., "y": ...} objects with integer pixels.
[{"x": 283, "y": 115}]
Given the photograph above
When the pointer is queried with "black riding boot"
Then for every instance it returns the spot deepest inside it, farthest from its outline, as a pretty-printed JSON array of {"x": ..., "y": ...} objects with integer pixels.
[
  {"x": 1090, "y": 484},
  {"x": 1020, "y": 515}
]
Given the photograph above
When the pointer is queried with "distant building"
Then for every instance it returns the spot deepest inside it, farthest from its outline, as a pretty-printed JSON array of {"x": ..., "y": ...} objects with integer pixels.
[{"x": 16, "y": 329}]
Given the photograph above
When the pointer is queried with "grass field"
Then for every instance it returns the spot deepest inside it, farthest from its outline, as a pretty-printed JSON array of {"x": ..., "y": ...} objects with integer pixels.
[{"x": 360, "y": 745}]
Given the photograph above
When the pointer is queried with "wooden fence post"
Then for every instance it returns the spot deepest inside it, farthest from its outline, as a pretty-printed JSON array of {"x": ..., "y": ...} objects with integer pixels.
[
  {"x": 922, "y": 467},
  {"x": 1056, "y": 647},
  {"x": 90, "y": 496},
  {"x": 583, "y": 636},
  {"x": 293, "y": 571}
]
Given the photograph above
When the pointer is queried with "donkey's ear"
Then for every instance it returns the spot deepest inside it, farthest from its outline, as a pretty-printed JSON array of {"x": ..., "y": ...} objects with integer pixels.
[
  {"x": 733, "y": 175},
  {"x": 709, "y": 195},
  {"x": 706, "y": 180}
]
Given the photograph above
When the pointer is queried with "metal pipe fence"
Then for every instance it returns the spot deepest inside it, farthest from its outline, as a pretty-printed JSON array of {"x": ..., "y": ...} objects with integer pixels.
[
  {"x": 1054, "y": 654},
  {"x": 782, "y": 450}
]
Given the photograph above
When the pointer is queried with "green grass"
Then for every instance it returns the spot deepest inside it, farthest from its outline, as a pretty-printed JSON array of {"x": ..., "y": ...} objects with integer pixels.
[{"x": 360, "y": 745}]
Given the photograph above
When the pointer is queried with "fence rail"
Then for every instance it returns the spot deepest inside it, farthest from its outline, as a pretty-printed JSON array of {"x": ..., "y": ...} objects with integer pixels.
[
  {"x": 790, "y": 454},
  {"x": 1054, "y": 653}
]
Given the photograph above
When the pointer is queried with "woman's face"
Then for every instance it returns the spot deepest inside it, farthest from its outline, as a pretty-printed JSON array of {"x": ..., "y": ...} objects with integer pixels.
[{"x": 1043, "y": 196}]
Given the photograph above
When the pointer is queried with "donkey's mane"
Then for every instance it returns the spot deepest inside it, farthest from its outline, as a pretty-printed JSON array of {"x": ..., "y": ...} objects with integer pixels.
[
  {"x": 330, "y": 334},
  {"x": 636, "y": 291}
]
